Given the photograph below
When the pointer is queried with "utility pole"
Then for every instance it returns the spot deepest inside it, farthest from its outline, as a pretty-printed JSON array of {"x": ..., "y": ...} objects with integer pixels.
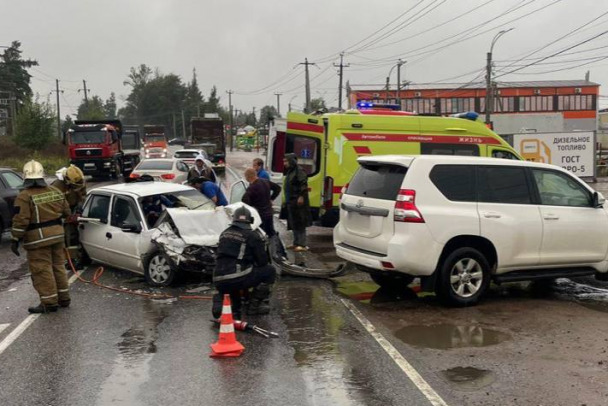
[
  {"x": 174, "y": 126},
  {"x": 341, "y": 66},
  {"x": 230, "y": 108},
  {"x": 278, "y": 103},
  {"x": 306, "y": 64},
  {"x": 399, "y": 64},
  {"x": 86, "y": 94},
  {"x": 388, "y": 87},
  {"x": 489, "y": 100},
  {"x": 183, "y": 125},
  {"x": 58, "y": 107}
]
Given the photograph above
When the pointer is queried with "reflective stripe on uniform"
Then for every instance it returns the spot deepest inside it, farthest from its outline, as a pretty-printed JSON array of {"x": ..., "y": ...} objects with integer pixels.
[
  {"x": 63, "y": 290},
  {"x": 48, "y": 297},
  {"x": 237, "y": 274},
  {"x": 44, "y": 239},
  {"x": 242, "y": 251},
  {"x": 18, "y": 230},
  {"x": 226, "y": 328}
]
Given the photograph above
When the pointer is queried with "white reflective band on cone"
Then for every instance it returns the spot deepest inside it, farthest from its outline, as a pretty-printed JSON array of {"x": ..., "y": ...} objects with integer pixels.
[
  {"x": 226, "y": 309},
  {"x": 226, "y": 328}
]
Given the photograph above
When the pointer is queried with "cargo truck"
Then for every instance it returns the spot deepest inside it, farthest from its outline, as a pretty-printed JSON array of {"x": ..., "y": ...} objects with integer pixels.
[
  {"x": 208, "y": 133},
  {"x": 95, "y": 146},
  {"x": 155, "y": 141}
]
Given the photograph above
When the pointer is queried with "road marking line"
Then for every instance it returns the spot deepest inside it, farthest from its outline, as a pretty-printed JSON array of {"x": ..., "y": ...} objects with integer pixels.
[
  {"x": 17, "y": 332},
  {"x": 401, "y": 362},
  {"x": 14, "y": 335},
  {"x": 3, "y": 327}
]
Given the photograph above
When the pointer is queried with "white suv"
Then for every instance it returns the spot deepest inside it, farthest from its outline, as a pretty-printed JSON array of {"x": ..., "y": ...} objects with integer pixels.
[{"x": 459, "y": 222}]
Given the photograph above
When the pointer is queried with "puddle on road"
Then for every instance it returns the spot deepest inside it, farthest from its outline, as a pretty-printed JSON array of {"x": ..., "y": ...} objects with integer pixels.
[
  {"x": 131, "y": 368},
  {"x": 468, "y": 378},
  {"x": 314, "y": 331},
  {"x": 448, "y": 336}
]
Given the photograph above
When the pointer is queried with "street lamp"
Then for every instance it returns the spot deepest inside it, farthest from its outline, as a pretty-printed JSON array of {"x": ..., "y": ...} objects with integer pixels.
[
  {"x": 388, "y": 78},
  {"x": 489, "y": 98},
  {"x": 289, "y": 103}
]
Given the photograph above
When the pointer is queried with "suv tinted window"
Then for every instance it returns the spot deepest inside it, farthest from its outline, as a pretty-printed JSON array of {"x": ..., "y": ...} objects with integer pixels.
[
  {"x": 558, "y": 189},
  {"x": 456, "y": 182},
  {"x": 503, "y": 185},
  {"x": 377, "y": 181}
]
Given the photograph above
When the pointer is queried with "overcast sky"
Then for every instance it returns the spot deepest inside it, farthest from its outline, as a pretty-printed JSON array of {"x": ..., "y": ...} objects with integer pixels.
[{"x": 253, "y": 47}]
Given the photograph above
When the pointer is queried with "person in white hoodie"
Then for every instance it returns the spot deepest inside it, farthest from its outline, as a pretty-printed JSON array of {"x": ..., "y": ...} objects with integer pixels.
[{"x": 201, "y": 169}]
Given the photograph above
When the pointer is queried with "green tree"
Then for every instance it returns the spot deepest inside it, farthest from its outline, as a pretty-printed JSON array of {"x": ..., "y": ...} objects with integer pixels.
[
  {"x": 14, "y": 77},
  {"x": 267, "y": 113},
  {"x": 35, "y": 125},
  {"x": 213, "y": 102},
  {"x": 67, "y": 123},
  {"x": 110, "y": 106},
  {"x": 317, "y": 104},
  {"x": 92, "y": 110}
]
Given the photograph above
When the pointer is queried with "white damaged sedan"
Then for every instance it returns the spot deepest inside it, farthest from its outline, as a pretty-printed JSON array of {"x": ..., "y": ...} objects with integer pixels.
[{"x": 156, "y": 229}]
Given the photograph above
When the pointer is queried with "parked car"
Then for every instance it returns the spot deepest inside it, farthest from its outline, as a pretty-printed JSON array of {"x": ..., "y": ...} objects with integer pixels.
[
  {"x": 10, "y": 186},
  {"x": 153, "y": 229},
  {"x": 460, "y": 222},
  {"x": 177, "y": 141},
  {"x": 164, "y": 170}
]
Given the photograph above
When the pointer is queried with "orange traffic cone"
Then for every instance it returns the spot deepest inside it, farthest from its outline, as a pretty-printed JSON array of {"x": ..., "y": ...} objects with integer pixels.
[{"x": 227, "y": 345}]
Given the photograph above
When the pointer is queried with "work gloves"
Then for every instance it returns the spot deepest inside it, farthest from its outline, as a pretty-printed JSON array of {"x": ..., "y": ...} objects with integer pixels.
[{"x": 15, "y": 247}]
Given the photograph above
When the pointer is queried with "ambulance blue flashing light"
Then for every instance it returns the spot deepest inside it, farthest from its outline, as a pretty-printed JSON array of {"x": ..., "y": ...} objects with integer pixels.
[
  {"x": 369, "y": 105},
  {"x": 469, "y": 115}
]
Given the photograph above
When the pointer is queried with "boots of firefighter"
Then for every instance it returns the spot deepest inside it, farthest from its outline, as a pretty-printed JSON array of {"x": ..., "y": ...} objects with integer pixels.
[
  {"x": 236, "y": 304},
  {"x": 42, "y": 308},
  {"x": 260, "y": 300},
  {"x": 216, "y": 307}
]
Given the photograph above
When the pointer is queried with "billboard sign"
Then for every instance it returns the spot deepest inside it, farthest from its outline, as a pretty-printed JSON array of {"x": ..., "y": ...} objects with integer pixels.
[{"x": 574, "y": 151}]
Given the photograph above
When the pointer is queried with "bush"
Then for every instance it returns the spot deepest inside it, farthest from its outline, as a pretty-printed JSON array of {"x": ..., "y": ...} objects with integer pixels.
[
  {"x": 34, "y": 126},
  {"x": 13, "y": 156}
]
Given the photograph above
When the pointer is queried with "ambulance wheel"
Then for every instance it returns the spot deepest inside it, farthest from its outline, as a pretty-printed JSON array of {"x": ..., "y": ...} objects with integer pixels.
[{"x": 158, "y": 271}]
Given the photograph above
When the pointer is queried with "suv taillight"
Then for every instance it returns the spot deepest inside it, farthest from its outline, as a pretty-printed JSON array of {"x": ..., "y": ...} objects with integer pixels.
[
  {"x": 328, "y": 192},
  {"x": 344, "y": 189},
  {"x": 405, "y": 207}
]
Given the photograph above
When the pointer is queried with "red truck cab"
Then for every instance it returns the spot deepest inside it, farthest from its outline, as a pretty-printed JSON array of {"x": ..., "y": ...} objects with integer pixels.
[
  {"x": 155, "y": 142},
  {"x": 94, "y": 146}
]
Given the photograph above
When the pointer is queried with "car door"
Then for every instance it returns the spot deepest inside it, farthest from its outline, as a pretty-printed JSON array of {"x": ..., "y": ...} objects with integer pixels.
[
  {"x": 575, "y": 232},
  {"x": 237, "y": 191},
  {"x": 94, "y": 226},
  {"x": 10, "y": 186},
  {"x": 508, "y": 217},
  {"x": 182, "y": 172},
  {"x": 123, "y": 247}
]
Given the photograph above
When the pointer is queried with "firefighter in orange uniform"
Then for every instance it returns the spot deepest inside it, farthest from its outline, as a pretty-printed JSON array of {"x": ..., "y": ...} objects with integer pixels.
[{"x": 38, "y": 222}]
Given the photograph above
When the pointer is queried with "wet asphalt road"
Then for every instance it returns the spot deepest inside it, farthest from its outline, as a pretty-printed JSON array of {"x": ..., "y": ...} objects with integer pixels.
[{"x": 524, "y": 344}]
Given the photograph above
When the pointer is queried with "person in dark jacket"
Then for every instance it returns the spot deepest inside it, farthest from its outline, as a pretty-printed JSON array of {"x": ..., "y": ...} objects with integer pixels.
[
  {"x": 260, "y": 195},
  {"x": 242, "y": 263},
  {"x": 296, "y": 204}
]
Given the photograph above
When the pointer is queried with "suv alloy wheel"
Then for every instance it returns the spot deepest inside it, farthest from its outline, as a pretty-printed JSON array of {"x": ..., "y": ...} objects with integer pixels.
[{"x": 464, "y": 276}]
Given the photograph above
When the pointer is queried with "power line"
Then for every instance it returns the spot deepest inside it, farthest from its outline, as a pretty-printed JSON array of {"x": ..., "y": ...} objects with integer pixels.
[{"x": 552, "y": 55}]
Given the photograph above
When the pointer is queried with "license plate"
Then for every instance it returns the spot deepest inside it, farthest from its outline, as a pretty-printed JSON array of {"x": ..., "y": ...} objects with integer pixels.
[{"x": 89, "y": 165}]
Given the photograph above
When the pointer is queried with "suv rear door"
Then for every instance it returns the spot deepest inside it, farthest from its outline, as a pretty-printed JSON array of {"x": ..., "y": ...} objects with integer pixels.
[
  {"x": 508, "y": 216},
  {"x": 367, "y": 207}
]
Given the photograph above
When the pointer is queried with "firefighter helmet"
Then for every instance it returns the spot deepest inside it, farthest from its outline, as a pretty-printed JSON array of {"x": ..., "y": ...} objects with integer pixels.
[
  {"x": 73, "y": 175},
  {"x": 242, "y": 215},
  {"x": 33, "y": 170}
]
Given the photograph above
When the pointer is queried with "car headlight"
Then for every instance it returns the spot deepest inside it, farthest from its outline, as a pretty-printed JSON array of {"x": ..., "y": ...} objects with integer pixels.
[{"x": 106, "y": 164}]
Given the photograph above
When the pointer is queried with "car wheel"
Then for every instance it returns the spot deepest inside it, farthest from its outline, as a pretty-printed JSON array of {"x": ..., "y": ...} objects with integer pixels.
[
  {"x": 391, "y": 280},
  {"x": 464, "y": 276},
  {"x": 117, "y": 170},
  {"x": 159, "y": 271}
]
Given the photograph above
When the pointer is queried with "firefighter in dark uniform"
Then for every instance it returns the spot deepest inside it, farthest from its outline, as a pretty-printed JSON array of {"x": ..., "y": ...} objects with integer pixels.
[
  {"x": 73, "y": 186},
  {"x": 242, "y": 263},
  {"x": 39, "y": 214}
]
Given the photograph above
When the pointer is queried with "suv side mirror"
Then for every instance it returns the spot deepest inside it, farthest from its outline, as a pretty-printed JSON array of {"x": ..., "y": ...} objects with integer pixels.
[
  {"x": 130, "y": 228},
  {"x": 598, "y": 200}
]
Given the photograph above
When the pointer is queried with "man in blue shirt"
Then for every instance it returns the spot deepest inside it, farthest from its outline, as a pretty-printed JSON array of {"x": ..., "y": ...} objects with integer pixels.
[
  {"x": 258, "y": 165},
  {"x": 209, "y": 189}
]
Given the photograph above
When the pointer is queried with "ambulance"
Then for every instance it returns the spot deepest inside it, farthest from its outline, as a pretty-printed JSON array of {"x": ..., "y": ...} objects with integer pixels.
[{"x": 328, "y": 145}]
